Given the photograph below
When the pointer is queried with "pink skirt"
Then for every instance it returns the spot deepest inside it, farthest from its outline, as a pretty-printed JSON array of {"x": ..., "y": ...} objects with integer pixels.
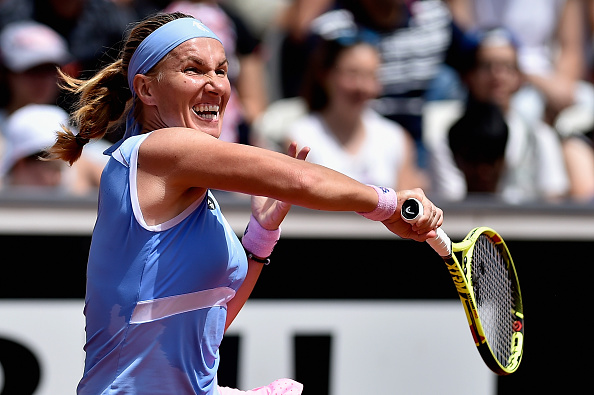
[{"x": 277, "y": 387}]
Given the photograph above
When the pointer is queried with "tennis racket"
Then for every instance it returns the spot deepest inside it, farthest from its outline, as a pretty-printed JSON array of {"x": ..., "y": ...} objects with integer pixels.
[{"x": 487, "y": 284}]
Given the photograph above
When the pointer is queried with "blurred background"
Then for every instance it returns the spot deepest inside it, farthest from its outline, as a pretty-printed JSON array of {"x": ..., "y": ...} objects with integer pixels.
[{"x": 488, "y": 105}]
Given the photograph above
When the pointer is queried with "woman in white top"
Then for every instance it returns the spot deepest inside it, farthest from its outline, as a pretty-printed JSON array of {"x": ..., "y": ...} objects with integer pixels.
[{"x": 343, "y": 133}]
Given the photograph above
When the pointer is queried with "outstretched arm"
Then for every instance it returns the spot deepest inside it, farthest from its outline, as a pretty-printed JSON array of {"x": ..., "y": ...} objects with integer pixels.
[{"x": 175, "y": 161}]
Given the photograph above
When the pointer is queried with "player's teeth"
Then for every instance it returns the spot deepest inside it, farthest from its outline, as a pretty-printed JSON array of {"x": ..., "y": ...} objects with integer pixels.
[
  {"x": 206, "y": 107},
  {"x": 209, "y": 115}
]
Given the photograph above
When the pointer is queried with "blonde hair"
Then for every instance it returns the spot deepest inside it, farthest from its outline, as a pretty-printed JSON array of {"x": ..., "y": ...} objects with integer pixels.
[{"x": 104, "y": 100}]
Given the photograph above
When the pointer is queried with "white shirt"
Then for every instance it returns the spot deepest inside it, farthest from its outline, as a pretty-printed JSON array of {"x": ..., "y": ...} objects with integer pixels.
[{"x": 376, "y": 162}]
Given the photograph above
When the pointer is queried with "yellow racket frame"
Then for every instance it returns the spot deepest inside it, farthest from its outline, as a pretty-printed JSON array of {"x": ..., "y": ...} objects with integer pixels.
[{"x": 460, "y": 271}]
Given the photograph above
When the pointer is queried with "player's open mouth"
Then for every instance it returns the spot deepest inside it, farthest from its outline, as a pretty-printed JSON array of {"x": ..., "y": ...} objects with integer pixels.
[{"x": 208, "y": 112}]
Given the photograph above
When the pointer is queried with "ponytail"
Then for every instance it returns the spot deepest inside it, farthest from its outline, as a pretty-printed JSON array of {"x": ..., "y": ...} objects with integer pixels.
[{"x": 102, "y": 100}]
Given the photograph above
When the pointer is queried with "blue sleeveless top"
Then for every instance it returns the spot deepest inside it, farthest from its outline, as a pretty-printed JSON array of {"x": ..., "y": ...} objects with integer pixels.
[{"x": 156, "y": 296}]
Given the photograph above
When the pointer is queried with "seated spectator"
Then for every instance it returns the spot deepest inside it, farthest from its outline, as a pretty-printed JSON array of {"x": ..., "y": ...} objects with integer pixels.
[
  {"x": 418, "y": 42},
  {"x": 341, "y": 129},
  {"x": 478, "y": 141},
  {"x": 551, "y": 43},
  {"x": 30, "y": 52},
  {"x": 534, "y": 166},
  {"x": 29, "y": 131},
  {"x": 92, "y": 28}
]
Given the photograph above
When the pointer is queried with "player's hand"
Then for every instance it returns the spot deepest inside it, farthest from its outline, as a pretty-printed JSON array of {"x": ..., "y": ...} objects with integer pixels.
[
  {"x": 425, "y": 227},
  {"x": 271, "y": 212}
]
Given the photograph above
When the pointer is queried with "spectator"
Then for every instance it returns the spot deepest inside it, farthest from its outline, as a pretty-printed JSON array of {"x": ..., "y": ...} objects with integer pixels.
[
  {"x": 29, "y": 132},
  {"x": 534, "y": 168},
  {"x": 551, "y": 48},
  {"x": 92, "y": 29},
  {"x": 343, "y": 132},
  {"x": 477, "y": 141},
  {"x": 416, "y": 38},
  {"x": 30, "y": 53},
  {"x": 246, "y": 65}
]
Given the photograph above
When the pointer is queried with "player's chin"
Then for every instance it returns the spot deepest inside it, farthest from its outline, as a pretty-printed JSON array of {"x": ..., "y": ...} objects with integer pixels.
[{"x": 209, "y": 127}]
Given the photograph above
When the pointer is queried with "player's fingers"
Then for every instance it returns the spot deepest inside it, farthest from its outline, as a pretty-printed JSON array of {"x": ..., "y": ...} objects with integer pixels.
[
  {"x": 292, "y": 149},
  {"x": 303, "y": 152},
  {"x": 438, "y": 218},
  {"x": 430, "y": 220},
  {"x": 422, "y": 235}
]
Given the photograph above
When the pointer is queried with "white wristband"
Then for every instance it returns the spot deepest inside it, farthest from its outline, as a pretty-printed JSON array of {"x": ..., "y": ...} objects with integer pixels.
[
  {"x": 259, "y": 241},
  {"x": 386, "y": 205}
]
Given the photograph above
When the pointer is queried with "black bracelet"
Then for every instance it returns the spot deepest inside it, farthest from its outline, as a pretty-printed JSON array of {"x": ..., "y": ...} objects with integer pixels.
[{"x": 254, "y": 258}]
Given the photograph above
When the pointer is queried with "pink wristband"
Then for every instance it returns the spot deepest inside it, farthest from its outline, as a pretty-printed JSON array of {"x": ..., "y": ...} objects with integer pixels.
[
  {"x": 259, "y": 241},
  {"x": 386, "y": 204}
]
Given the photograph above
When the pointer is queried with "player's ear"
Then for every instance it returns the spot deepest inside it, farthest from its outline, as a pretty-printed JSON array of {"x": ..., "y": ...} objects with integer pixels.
[{"x": 143, "y": 88}]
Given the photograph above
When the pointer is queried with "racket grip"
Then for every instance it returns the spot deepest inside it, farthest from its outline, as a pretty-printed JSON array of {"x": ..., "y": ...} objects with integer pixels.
[
  {"x": 441, "y": 243},
  {"x": 411, "y": 210}
]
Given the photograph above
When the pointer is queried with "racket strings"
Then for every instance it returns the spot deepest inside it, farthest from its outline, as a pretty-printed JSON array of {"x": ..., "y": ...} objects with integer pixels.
[{"x": 494, "y": 295}]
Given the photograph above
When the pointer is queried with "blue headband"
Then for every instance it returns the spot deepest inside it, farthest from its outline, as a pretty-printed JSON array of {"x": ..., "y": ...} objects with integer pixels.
[
  {"x": 160, "y": 42},
  {"x": 154, "y": 48}
]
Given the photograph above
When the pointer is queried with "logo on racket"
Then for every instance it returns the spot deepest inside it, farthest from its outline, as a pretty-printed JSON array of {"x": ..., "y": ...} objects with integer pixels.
[{"x": 410, "y": 209}]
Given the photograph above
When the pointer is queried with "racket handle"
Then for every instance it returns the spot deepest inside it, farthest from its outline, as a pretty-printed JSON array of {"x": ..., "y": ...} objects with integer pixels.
[
  {"x": 411, "y": 210},
  {"x": 441, "y": 243}
]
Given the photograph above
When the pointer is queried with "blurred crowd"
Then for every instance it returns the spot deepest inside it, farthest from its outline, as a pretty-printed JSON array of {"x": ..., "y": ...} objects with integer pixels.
[{"x": 467, "y": 99}]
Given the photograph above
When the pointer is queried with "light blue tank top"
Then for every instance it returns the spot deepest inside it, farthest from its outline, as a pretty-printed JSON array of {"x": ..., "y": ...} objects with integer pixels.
[{"x": 156, "y": 296}]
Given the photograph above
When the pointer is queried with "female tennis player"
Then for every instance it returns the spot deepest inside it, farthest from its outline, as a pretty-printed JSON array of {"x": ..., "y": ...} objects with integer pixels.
[{"x": 166, "y": 274}]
